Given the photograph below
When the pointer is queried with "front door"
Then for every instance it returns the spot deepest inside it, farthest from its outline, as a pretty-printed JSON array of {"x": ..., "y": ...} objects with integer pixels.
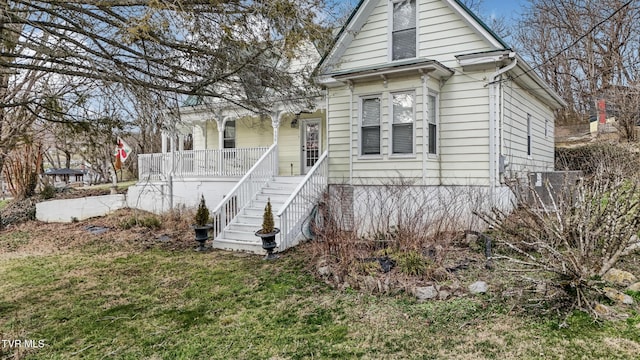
[{"x": 310, "y": 144}]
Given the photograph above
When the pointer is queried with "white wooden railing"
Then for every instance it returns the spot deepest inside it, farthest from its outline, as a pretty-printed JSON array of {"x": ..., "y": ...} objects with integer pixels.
[
  {"x": 198, "y": 163},
  {"x": 263, "y": 171},
  {"x": 299, "y": 205}
]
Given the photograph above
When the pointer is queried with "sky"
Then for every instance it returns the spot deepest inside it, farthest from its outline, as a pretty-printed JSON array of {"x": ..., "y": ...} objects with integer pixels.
[{"x": 507, "y": 8}]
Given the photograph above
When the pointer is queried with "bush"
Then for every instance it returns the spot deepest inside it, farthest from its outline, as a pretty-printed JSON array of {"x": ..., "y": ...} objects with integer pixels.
[
  {"x": 150, "y": 222},
  {"x": 413, "y": 225},
  {"x": 572, "y": 243},
  {"x": 48, "y": 192}
]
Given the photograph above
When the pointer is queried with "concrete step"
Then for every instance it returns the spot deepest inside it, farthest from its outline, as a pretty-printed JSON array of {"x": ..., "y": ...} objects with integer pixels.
[{"x": 236, "y": 245}]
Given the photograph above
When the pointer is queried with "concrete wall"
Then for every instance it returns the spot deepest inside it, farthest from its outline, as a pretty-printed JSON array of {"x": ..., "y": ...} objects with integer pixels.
[
  {"x": 154, "y": 196},
  {"x": 80, "y": 209}
]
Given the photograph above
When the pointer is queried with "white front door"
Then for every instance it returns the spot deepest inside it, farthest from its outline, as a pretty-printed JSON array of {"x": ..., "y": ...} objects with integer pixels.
[{"x": 311, "y": 144}]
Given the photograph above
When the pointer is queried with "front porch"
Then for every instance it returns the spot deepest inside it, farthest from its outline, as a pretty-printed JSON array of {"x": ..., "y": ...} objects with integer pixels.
[
  {"x": 198, "y": 163},
  {"x": 239, "y": 182}
]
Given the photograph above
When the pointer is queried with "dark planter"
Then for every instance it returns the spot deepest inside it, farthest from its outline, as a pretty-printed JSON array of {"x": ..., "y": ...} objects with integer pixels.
[
  {"x": 269, "y": 242},
  {"x": 202, "y": 235}
]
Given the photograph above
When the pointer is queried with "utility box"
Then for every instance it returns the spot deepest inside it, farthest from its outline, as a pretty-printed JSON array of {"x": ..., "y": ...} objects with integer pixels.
[{"x": 553, "y": 186}]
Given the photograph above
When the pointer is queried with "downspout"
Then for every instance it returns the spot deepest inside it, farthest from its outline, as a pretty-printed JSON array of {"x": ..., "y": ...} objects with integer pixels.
[
  {"x": 350, "y": 133},
  {"x": 172, "y": 144},
  {"x": 425, "y": 128},
  {"x": 326, "y": 122},
  {"x": 496, "y": 131}
]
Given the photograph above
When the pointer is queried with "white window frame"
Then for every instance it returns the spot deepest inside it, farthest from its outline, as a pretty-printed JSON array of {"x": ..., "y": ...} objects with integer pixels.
[
  {"x": 529, "y": 137},
  {"x": 412, "y": 154},
  {"x": 390, "y": 30},
  {"x": 360, "y": 126},
  {"x": 436, "y": 122},
  {"x": 224, "y": 135}
]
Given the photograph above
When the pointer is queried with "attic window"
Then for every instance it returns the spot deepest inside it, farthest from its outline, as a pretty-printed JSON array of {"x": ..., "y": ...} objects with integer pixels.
[{"x": 403, "y": 35}]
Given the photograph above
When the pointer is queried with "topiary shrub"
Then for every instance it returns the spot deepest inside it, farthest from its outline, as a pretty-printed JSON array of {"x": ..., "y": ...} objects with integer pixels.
[
  {"x": 202, "y": 215},
  {"x": 267, "y": 219}
]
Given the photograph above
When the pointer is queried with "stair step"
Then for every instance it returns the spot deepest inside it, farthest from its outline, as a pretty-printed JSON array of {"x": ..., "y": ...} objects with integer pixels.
[
  {"x": 277, "y": 191},
  {"x": 235, "y": 245},
  {"x": 275, "y": 199},
  {"x": 248, "y": 236}
]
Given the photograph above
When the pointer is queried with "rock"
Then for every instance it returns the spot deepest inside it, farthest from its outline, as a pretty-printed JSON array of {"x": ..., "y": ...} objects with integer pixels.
[
  {"x": 617, "y": 296},
  {"x": 443, "y": 294},
  {"x": 478, "y": 287},
  {"x": 324, "y": 271},
  {"x": 634, "y": 287},
  {"x": 619, "y": 277},
  {"x": 602, "y": 310},
  {"x": 426, "y": 293}
]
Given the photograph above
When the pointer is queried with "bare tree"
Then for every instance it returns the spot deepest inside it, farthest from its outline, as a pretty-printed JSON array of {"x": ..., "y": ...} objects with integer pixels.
[
  {"x": 158, "y": 51},
  {"x": 582, "y": 48}
]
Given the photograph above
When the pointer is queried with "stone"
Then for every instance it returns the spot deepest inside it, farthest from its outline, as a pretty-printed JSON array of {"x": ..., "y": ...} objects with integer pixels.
[
  {"x": 478, "y": 287},
  {"x": 602, "y": 310},
  {"x": 619, "y": 277},
  {"x": 324, "y": 271},
  {"x": 426, "y": 293},
  {"x": 443, "y": 294},
  {"x": 617, "y": 296},
  {"x": 634, "y": 287}
]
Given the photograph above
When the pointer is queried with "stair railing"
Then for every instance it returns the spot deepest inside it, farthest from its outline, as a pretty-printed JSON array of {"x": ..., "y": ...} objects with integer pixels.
[
  {"x": 245, "y": 190},
  {"x": 299, "y": 205}
]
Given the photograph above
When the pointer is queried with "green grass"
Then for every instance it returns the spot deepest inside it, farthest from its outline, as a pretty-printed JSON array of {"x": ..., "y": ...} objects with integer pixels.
[
  {"x": 158, "y": 304},
  {"x": 4, "y": 203}
]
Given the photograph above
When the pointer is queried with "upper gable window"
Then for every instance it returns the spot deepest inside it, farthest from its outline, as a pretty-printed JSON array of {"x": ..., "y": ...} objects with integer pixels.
[{"x": 403, "y": 35}]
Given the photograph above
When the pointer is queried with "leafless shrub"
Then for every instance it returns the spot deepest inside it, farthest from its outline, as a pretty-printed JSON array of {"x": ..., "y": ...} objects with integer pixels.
[
  {"x": 21, "y": 170},
  {"x": 573, "y": 241},
  {"x": 411, "y": 226}
]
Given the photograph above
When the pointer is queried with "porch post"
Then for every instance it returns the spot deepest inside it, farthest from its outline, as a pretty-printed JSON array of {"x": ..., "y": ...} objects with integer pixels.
[
  {"x": 181, "y": 142},
  {"x": 164, "y": 142},
  {"x": 276, "y": 116}
]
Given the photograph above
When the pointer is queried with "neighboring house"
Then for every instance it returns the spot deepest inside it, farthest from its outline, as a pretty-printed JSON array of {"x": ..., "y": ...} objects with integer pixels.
[
  {"x": 415, "y": 90},
  {"x": 65, "y": 175}
]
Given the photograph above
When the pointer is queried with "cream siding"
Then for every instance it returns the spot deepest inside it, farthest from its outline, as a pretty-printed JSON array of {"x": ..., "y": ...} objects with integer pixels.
[
  {"x": 443, "y": 33},
  {"x": 519, "y": 103},
  {"x": 369, "y": 46},
  {"x": 464, "y": 130},
  {"x": 254, "y": 132}
]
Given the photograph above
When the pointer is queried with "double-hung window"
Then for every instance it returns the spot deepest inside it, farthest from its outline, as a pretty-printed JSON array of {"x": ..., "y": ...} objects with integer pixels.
[
  {"x": 529, "y": 139},
  {"x": 432, "y": 121},
  {"x": 370, "y": 126},
  {"x": 402, "y": 121},
  {"x": 230, "y": 134},
  {"x": 403, "y": 34}
]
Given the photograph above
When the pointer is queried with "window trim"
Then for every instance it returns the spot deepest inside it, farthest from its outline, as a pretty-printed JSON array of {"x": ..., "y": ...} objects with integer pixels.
[
  {"x": 224, "y": 135},
  {"x": 390, "y": 30},
  {"x": 436, "y": 122},
  {"x": 361, "y": 101},
  {"x": 529, "y": 137},
  {"x": 390, "y": 152}
]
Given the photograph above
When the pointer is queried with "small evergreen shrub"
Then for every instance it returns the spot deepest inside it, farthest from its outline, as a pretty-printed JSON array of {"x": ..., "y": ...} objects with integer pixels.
[{"x": 202, "y": 215}]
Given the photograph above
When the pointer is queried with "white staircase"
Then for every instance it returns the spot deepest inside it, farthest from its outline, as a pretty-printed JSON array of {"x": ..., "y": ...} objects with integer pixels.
[{"x": 239, "y": 235}]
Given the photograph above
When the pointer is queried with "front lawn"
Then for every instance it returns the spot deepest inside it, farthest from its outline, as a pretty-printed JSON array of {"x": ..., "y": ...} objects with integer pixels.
[{"x": 137, "y": 294}]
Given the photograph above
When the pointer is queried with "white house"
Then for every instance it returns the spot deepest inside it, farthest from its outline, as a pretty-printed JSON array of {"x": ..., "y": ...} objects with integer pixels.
[{"x": 415, "y": 89}]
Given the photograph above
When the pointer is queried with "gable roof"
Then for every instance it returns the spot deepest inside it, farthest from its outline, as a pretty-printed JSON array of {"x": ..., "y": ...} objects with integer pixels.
[
  {"x": 358, "y": 18},
  {"x": 363, "y": 10}
]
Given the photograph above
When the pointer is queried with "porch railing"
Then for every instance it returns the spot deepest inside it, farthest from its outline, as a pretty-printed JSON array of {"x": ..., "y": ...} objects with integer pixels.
[
  {"x": 198, "y": 163},
  {"x": 246, "y": 189},
  {"x": 299, "y": 205}
]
